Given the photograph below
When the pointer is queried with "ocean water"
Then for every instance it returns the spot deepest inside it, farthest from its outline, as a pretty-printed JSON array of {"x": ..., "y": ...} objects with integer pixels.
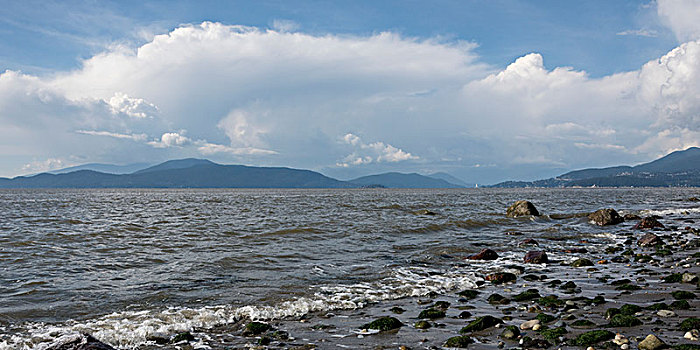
[{"x": 126, "y": 264}]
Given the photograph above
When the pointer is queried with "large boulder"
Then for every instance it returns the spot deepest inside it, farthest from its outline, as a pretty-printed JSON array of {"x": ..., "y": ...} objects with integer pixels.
[
  {"x": 648, "y": 222},
  {"x": 649, "y": 239},
  {"x": 535, "y": 257},
  {"x": 605, "y": 217},
  {"x": 522, "y": 208},
  {"x": 484, "y": 254},
  {"x": 79, "y": 342}
]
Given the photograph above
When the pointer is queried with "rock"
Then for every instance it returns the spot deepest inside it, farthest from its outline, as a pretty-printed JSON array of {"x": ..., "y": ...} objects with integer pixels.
[
  {"x": 383, "y": 324},
  {"x": 397, "y": 310},
  {"x": 624, "y": 347},
  {"x": 620, "y": 339},
  {"x": 481, "y": 323},
  {"x": 468, "y": 294},
  {"x": 680, "y": 305},
  {"x": 649, "y": 239},
  {"x": 464, "y": 315},
  {"x": 256, "y": 328},
  {"x": 581, "y": 263},
  {"x": 592, "y": 337},
  {"x": 530, "y": 343},
  {"x": 425, "y": 212},
  {"x": 180, "y": 337},
  {"x": 631, "y": 217},
  {"x": 536, "y": 257},
  {"x": 536, "y": 327},
  {"x": 529, "y": 324},
  {"x": 511, "y": 332},
  {"x": 583, "y": 324},
  {"x": 683, "y": 295},
  {"x": 693, "y": 335},
  {"x": 648, "y": 222},
  {"x": 689, "y": 278},
  {"x": 651, "y": 342},
  {"x": 441, "y": 305},
  {"x": 500, "y": 277},
  {"x": 544, "y": 318},
  {"x": 605, "y": 217},
  {"x": 422, "y": 325},
  {"x": 522, "y": 208},
  {"x": 497, "y": 299},
  {"x": 431, "y": 314},
  {"x": 665, "y": 313},
  {"x": 528, "y": 241},
  {"x": 689, "y": 324},
  {"x": 484, "y": 254},
  {"x": 461, "y": 341},
  {"x": 630, "y": 309},
  {"x": 79, "y": 342},
  {"x": 624, "y": 321},
  {"x": 576, "y": 250},
  {"x": 553, "y": 334},
  {"x": 527, "y": 295}
]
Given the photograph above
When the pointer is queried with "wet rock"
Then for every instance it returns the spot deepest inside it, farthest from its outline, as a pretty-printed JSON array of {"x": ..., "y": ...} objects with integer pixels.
[
  {"x": 605, "y": 217},
  {"x": 256, "y": 328},
  {"x": 522, "y": 208},
  {"x": 159, "y": 338},
  {"x": 631, "y": 217},
  {"x": 432, "y": 314},
  {"x": 576, "y": 250},
  {"x": 425, "y": 212},
  {"x": 529, "y": 324},
  {"x": 79, "y": 342},
  {"x": 497, "y": 299},
  {"x": 536, "y": 257},
  {"x": 665, "y": 313},
  {"x": 500, "y": 277},
  {"x": 624, "y": 321},
  {"x": 180, "y": 337},
  {"x": 527, "y": 295},
  {"x": 651, "y": 342},
  {"x": 551, "y": 301},
  {"x": 620, "y": 339},
  {"x": 611, "y": 312},
  {"x": 544, "y": 318},
  {"x": 693, "y": 335},
  {"x": 592, "y": 337},
  {"x": 630, "y": 309},
  {"x": 383, "y": 324},
  {"x": 480, "y": 324},
  {"x": 468, "y": 294},
  {"x": 689, "y": 278},
  {"x": 649, "y": 239},
  {"x": 581, "y": 262},
  {"x": 422, "y": 325},
  {"x": 583, "y": 324},
  {"x": 648, "y": 222},
  {"x": 461, "y": 341},
  {"x": 484, "y": 254},
  {"x": 464, "y": 315},
  {"x": 510, "y": 333},
  {"x": 554, "y": 335},
  {"x": 689, "y": 324},
  {"x": 528, "y": 241},
  {"x": 680, "y": 305},
  {"x": 683, "y": 295},
  {"x": 530, "y": 343},
  {"x": 673, "y": 278},
  {"x": 441, "y": 305},
  {"x": 397, "y": 310}
]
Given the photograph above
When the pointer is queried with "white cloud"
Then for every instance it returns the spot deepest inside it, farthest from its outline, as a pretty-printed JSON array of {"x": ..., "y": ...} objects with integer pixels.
[
  {"x": 132, "y": 107},
  {"x": 373, "y": 152},
  {"x": 285, "y": 25},
  {"x": 649, "y": 33},
  {"x": 682, "y": 17},
  {"x": 170, "y": 139},
  {"x": 43, "y": 165},
  {"x": 135, "y": 137}
]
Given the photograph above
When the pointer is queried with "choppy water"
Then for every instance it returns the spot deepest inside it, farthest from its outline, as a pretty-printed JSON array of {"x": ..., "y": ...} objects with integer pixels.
[{"x": 125, "y": 264}]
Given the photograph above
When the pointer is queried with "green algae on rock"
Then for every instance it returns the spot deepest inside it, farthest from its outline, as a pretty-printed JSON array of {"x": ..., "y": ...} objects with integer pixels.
[
  {"x": 431, "y": 314},
  {"x": 554, "y": 334},
  {"x": 690, "y": 324},
  {"x": 256, "y": 328},
  {"x": 481, "y": 323},
  {"x": 683, "y": 295},
  {"x": 527, "y": 295},
  {"x": 545, "y": 318},
  {"x": 624, "y": 321},
  {"x": 422, "y": 325},
  {"x": 461, "y": 341},
  {"x": 383, "y": 324},
  {"x": 592, "y": 337}
]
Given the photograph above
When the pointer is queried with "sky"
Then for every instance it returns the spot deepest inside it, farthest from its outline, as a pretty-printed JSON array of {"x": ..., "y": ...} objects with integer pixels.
[{"x": 484, "y": 90}]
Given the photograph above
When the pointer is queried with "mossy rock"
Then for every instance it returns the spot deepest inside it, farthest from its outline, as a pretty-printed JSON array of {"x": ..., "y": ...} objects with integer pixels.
[
  {"x": 683, "y": 295},
  {"x": 624, "y": 321},
  {"x": 443, "y": 305},
  {"x": 550, "y": 301},
  {"x": 510, "y": 332},
  {"x": 628, "y": 286},
  {"x": 545, "y": 318},
  {"x": 690, "y": 324},
  {"x": 568, "y": 285},
  {"x": 663, "y": 252},
  {"x": 582, "y": 324},
  {"x": 553, "y": 334},
  {"x": 431, "y": 314},
  {"x": 534, "y": 343},
  {"x": 527, "y": 295},
  {"x": 461, "y": 341},
  {"x": 383, "y": 324},
  {"x": 581, "y": 263},
  {"x": 480, "y": 324},
  {"x": 397, "y": 310},
  {"x": 184, "y": 336},
  {"x": 256, "y": 328},
  {"x": 680, "y": 305},
  {"x": 686, "y": 347},
  {"x": 422, "y": 325},
  {"x": 592, "y": 337},
  {"x": 265, "y": 340},
  {"x": 469, "y": 294},
  {"x": 609, "y": 313},
  {"x": 630, "y": 309}
]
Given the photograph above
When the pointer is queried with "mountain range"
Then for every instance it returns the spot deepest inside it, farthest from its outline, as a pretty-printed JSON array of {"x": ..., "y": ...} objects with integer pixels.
[
  {"x": 202, "y": 173},
  {"x": 677, "y": 169}
]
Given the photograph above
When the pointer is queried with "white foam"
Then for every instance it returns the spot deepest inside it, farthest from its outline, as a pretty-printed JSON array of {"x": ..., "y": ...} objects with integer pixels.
[
  {"x": 676, "y": 211},
  {"x": 129, "y": 329}
]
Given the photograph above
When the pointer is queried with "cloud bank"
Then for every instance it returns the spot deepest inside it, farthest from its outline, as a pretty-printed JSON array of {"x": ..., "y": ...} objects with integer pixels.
[{"x": 257, "y": 96}]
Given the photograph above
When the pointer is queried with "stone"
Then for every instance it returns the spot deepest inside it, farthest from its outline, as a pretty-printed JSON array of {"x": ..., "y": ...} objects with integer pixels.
[
  {"x": 484, "y": 254},
  {"x": 431, "y": 314},
  {"x": 79, "y": 342},
  {"x": 624, "y": 321},
  {"x": 535, "y": 257},
  {"x": 522, "y": 208},
  {"x": 527, "y": 295},
  {"x": 497, "y": 299},
  {"x": 648, "y": 222},
  {"x": 592, "y": 337},
  {"x": 651, "y": 342},
  {"x": 620, "y": 339},
  {"x": 631, "y": 217},
  {"x": 500, "y": 277},
  {"x": 256, "y": 328},
  {"x": 481, "y": 323},
  {"x": 693, "y": 335},
  {"x": 468, "y": 294},
  {"x": 689, "y": 278},
  {"x": 180, "y": 337},
  {"x": 511, "y": 332},
  {"x": 581, "y": 263},
  {"x": 461, "y": 342},
  {"x": 383, "y": 324},
  {"x": 689, "y": 324},
  {"x": 605, "y": 217},
  {"x": 666, "y": 313},
  {"x": 683, "y": 295},
  {"x": 422, "y": 325},
  {"x": 529, "y": 324},
  {"x": 536, "y": 327},
  {"x": 528, "y": 241},
  {"x": 553, "y": 334},
  {"x": 649, "y": 239}
]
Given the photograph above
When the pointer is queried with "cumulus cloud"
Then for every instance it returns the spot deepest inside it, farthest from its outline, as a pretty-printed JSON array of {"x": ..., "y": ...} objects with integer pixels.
[
  {"x": 366, "y": 153},
  {"x": 682, "y": 17},
  {"x": 132, "y": 107},
  {"x": 170, "y": 139}
]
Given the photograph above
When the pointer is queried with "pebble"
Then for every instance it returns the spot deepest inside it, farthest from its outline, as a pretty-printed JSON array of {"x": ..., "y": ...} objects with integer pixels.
[
  {"x": 651, "y": 342},
  {"x": 529, "y": 324},
  {"x": 692, "y": 335},
  {"x": 620, "y": 339},
  {"x": 666, "y": 313},
  {"x": 590, "y": 348},
  {"x": 624, "y": 346},
  {"x": 536, "y": 327}
]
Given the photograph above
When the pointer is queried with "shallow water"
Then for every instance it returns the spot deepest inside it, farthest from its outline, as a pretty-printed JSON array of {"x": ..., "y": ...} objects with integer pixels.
[{"x": 125, "y": 264}]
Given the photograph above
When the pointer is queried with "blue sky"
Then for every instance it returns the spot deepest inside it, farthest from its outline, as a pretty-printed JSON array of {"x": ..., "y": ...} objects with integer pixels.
[{"x": 485, "y": 90}]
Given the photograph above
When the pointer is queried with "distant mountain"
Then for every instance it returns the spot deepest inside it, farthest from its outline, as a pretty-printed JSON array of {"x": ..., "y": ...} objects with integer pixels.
[
  {"x": 177, "y": 174},
  {"x": 104, "y": 168},
  {"x": 678, "y": 169},
  {"x": 451, "y": 179},
  {"x": 399, "y": 180}
]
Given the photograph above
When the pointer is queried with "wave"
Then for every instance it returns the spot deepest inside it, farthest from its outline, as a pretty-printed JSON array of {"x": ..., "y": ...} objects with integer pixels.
[{"x": 676, "y": 211}]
